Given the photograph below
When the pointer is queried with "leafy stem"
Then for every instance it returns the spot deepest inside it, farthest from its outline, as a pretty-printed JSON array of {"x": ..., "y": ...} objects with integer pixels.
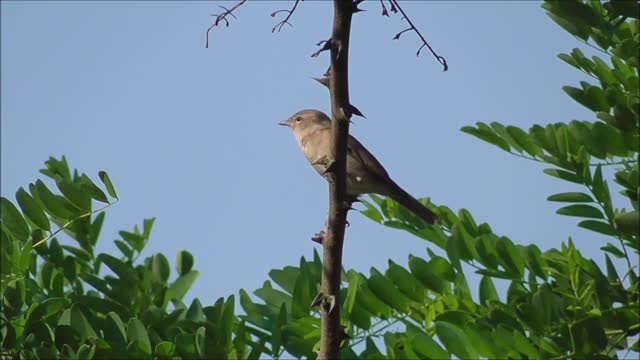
[{"x": 68, "y": 223}]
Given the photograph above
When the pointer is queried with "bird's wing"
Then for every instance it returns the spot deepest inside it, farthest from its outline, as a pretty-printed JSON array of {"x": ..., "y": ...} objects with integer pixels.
[{"x": 363, "y": 156}]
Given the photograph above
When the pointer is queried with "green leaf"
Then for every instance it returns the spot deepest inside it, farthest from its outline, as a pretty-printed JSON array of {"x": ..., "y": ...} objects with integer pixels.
[
  {"x": 482, "y": 341},
  {"x": 371, "y": 211},
  {"x": 463, "y": 242},
  {"x": 486, "y": 251},
  {"x": 137, "y": 241},
  {"x": 350, "y": 299},
  {"x": 276, "y": 333},
  {"x": 484, "y": 132},
  {"x": 367, "y": 300},
  {"x": 586, "y": 211},
  {"x": 628, "y": 223},
  {"x": 536, "y": 263},
  {"x": 425, "y": 346},
  {"x": 86, "y": 352},
  {"x": 440, "y": 267},
  {"x": 186, "y": 345},
  {"x": 407, "y": 283},
  {"x": 184, "y": 262},
  {"x": 124, "y": 248},
  {"x": 455, "y": 340},
  {"x": 25, "y": 256},
  {"x": 57, "y": 206},
  {"x": 597, "y": 226},
  {"x": 488, "y": 291},
  {"x": 165, "y": 349},
  {"x": 200, "y": 341},
  {"x": 510, "y": 257},
  {"x": 107, "y": 183},
  {"x": 385, "y": 290},
  {"x": 182, "y": 284},
  {"x": 423, "y": 272},
  {"x": 75, "y": 194},
  {"x": 610, "y": 138},
  {"x": 570, "y": 197},
  {"x": 88, "y": 186},
  {"x": 524, "y": 140},
  {"x": 612, "y": 274},
  {"x": 13, "y": 220},
  {"x": 80, "y": 324},
  {"x": 569, "y": 60},
  {"x": 124, "y": 271},
  {"x": 137, "y": 334},
  {"x": 160, "y": 267},
  {"x": 32, "y": 210}
]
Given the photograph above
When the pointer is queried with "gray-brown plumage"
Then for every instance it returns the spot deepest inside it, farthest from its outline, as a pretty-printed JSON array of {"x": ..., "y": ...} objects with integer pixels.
[{"x": 365, "y": 175}]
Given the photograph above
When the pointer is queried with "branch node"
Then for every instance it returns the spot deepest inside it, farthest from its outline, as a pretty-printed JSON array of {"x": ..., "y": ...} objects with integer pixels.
[
  {"x": 324, "y": 81},
  {"x": 284, "y": 22},
  {"x": 222, "y": 17},
  {"x": 317, "y": 300},
  {"x": 326, "y": 45}
]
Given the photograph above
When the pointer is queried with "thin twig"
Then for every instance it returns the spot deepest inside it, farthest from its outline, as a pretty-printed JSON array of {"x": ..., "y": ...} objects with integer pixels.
[
  {"x": 223, "y": 17},
  {"x": 440, "y": 59},
  {"x": 286, "y": 19}
]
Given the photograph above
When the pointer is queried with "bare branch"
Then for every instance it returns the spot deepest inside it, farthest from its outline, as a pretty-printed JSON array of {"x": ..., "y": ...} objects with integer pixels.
[
  {"x": 394, "y": 5},
  {"x": 333, "y": 239},
  {"x": 223, "y": 17},
  {"x": 286, "y": 19}
]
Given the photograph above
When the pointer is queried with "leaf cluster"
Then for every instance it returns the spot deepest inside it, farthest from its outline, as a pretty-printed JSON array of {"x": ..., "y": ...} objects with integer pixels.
[{"x": 65, "y": 301}]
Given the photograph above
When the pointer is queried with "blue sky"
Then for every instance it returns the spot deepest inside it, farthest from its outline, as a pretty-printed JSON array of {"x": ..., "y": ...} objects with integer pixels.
[{"x": 189, "y": 134}]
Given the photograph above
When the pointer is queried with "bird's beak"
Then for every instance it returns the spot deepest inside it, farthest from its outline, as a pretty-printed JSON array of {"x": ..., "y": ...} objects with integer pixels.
[{"x": 284, "y": 123}]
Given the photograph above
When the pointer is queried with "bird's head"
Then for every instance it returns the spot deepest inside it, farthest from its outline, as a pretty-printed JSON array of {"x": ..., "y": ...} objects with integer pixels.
[{"x": 306, "y": 121}]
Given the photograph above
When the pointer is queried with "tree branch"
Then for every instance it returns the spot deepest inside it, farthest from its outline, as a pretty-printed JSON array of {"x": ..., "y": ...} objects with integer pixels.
[
  {"x": 394, "y": 5},
  {"x": 331, "y": 332},
  {"x": 223, "y": 17},
  {"x": 286, "y": 19}
]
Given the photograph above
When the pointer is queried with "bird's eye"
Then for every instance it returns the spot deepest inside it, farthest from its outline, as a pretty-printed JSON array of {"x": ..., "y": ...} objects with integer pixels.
[{"x": 298, "y": 118}]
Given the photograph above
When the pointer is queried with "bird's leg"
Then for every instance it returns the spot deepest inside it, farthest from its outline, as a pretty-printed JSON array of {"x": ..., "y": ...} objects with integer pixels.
[{"x": 326, "y": 164}]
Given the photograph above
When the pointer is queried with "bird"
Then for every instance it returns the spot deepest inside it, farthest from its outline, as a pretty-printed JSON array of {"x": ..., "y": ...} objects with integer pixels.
[{"x": 365, "y": 174}]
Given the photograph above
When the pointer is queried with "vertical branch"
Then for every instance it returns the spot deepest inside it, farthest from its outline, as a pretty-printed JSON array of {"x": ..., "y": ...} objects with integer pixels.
[{"x": 331, "y": 332}]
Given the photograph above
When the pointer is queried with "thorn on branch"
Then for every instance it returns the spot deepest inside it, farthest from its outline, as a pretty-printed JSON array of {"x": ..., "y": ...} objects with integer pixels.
[
  {"x": 384, "y": 9},
  {"x": 354, "y": 6},
  {"x": 223, "y": 18},
  {"x": 286, "y": 19},
  {"x": 393, "y": 8},
  {"x": 326, "y": 45},
  {"x": 319, "y": 237},
  {"x": 324, "y": 81},
  {"x": 352, "y": 110}
]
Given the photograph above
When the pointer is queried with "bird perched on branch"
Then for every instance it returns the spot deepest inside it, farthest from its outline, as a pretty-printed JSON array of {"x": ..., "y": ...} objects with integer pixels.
[{"x": 365, "y": 174}]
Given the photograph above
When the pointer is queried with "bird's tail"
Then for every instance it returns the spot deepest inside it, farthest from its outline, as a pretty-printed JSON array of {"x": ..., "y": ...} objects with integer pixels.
[{"x": 410, "y": 203}]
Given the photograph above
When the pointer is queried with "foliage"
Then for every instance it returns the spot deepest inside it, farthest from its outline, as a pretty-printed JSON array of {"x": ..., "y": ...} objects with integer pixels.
[{"x": 58, "y": 301}]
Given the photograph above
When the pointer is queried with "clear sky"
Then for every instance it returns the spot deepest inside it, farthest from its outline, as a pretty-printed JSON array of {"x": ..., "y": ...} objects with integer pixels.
[{"x": 189, "y": 134}]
